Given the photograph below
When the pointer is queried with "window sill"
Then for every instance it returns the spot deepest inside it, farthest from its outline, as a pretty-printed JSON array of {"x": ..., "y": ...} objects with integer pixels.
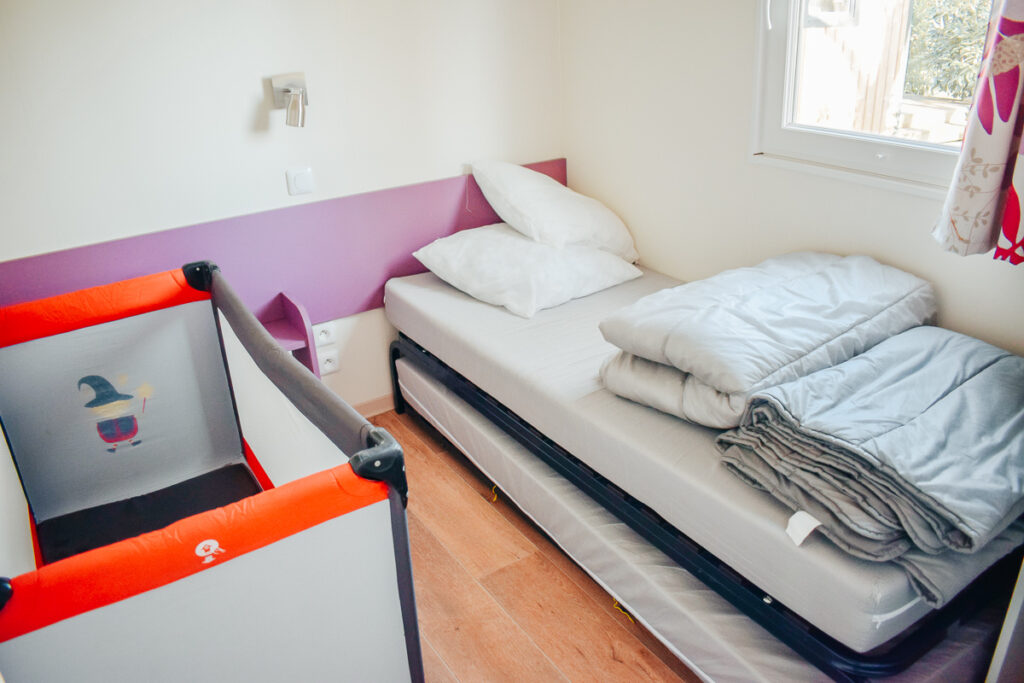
[{"x": 893, "y": 184}]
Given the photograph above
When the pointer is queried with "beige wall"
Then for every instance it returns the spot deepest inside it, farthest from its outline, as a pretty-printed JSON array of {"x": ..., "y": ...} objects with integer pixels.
[
  {"x": 657, "y": 112},
  {"x": 124, "y": 117}
]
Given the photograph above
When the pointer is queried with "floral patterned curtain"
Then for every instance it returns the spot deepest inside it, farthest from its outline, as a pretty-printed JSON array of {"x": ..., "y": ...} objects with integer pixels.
[{"x": 983, "y": 209}]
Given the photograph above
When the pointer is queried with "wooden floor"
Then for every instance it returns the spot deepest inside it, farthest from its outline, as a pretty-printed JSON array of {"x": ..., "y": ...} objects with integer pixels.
[{"x": 497, "y": 600}]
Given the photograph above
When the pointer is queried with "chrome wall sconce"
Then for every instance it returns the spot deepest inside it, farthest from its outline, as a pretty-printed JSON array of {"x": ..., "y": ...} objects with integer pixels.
[{"x": 290, "y": 94}]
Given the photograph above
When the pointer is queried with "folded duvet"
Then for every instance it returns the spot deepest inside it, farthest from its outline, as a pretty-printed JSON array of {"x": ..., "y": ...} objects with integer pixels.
[
  {"x": 700, "y": 350},
  {"x": 912, "y": 449}
]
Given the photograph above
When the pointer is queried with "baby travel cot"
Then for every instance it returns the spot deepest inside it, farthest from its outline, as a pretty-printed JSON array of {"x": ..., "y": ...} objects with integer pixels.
[{"x": 180, "y": 499}]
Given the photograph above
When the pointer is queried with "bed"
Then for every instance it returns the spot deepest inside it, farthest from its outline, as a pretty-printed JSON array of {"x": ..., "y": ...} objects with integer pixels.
[
  {"x": 182, "y": 500},
  {"x": 699, "y": 557}
]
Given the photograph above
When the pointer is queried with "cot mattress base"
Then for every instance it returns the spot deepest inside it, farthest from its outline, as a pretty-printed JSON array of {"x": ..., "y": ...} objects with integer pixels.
[
  {"x": 821, "y": 650},
  {"x": 77, "y": 532}
]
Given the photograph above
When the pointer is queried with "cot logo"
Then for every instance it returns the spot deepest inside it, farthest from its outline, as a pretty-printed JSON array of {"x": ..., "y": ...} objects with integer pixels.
[{"x": 207, "y": 549}]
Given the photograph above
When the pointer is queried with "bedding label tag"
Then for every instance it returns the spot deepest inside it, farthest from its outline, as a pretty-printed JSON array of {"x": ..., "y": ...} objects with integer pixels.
[{"x": 800, "y": 526}]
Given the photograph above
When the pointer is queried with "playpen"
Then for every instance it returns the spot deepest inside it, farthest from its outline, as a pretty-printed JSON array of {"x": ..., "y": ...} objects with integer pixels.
[{"x": 183, "y": 500}]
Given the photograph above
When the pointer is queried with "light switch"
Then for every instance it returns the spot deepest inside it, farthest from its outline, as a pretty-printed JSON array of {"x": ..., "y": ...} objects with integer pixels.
[{"x": 300, "y": 180}]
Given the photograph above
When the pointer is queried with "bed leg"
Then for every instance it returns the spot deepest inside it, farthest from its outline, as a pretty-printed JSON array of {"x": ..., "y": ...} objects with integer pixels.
[{"x": 396, "y": 391}]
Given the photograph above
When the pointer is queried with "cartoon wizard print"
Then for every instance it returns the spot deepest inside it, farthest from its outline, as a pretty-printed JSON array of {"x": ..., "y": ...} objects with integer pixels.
[{"x": 115, "y": 412}]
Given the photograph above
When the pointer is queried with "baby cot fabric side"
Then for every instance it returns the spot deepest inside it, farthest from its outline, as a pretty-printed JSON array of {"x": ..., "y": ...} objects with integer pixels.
[
  {"x": 118, "y": 571},
  {"x": 315, "y": 605}
]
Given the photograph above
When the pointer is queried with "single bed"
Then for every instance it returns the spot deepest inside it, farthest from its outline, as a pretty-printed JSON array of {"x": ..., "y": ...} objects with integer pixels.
[{"x": 478, "y": 374}]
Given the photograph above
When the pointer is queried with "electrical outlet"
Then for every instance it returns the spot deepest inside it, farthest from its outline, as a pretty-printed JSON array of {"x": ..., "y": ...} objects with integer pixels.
[
  {"x": 325, "y": 333},
  {"x": 328, "y": 360}
]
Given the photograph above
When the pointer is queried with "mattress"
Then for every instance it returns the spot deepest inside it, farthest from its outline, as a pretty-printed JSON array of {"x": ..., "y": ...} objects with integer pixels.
[
  {"x": 545, "y": 369},
  {"x": 713, "y": 638}
]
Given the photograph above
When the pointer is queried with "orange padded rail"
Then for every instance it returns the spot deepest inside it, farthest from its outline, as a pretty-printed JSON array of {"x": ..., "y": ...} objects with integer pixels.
[
  {"x": 118, "y": 571},
  {"x": 86, "y": 307}
]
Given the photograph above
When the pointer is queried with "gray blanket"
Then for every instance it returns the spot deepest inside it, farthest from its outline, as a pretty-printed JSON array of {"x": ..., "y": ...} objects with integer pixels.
[
  {"x": 912, "y": 449},
  {"x": 701, "y": 349}
]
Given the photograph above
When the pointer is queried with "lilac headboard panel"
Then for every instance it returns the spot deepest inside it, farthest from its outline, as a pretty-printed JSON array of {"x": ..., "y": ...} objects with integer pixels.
[{"x": 332, "y": 256}]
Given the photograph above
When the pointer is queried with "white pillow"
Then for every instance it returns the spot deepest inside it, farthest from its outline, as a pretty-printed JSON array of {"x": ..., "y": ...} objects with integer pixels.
[
  {"x": 547, "y": 211},
  {"x": 498, "y": 265}
]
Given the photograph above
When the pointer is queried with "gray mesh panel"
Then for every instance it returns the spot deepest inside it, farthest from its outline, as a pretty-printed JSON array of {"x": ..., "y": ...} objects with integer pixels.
[{"x": 115, "y": 410}]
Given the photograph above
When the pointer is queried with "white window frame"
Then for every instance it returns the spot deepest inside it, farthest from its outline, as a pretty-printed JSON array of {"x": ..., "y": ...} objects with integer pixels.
[{"x": 922, "y": 167}]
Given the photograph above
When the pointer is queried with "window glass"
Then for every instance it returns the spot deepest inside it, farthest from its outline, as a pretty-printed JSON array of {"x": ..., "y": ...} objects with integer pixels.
[
  {"x": 889, "y": 67},
  {"x": 881, "y": 86}
]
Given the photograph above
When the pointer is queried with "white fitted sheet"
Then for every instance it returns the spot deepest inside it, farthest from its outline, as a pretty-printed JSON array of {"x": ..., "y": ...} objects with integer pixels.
[{"x": 545, "y": 369}]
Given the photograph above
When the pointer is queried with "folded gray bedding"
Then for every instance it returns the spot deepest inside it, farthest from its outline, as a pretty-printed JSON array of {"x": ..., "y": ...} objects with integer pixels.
[
  {"x": 699, "y": 350},
  {"x": 912, "y": 449}
]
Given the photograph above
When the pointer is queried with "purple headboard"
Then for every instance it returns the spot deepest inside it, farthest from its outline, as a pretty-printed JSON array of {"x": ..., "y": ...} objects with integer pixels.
[{"x": 332, "y": 256}]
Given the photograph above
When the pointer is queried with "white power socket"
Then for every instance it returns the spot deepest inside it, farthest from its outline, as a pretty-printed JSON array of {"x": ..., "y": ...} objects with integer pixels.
[
  {"x": 325, "y": 333},
  {"x": 328, "y": 359}
]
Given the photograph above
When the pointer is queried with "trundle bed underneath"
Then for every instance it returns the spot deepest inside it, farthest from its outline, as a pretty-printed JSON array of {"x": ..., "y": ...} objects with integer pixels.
[{"x": 640, "y": 500}]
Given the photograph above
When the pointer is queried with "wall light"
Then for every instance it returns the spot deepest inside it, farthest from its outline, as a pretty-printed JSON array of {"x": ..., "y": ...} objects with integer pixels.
[
  {"x": 290, "y": 94},
  {"x": 295, "y": 113}
]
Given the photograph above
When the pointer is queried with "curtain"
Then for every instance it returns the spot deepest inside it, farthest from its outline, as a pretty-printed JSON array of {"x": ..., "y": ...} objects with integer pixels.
[{"x": 982, "y": 209}]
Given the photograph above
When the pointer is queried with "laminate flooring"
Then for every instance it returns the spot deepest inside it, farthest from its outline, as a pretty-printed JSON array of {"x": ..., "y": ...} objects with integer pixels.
[{"x": 496, "y": 599}]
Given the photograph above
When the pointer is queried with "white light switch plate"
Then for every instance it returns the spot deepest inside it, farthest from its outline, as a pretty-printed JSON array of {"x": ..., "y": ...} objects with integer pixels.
[{"x": 300, "y": 180}]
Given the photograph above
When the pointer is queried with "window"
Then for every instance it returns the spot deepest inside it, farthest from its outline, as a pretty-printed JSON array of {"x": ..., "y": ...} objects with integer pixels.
[{"x": 880, "y": 87}]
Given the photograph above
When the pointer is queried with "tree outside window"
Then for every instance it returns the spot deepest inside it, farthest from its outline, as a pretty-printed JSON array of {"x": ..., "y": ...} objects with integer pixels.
[
  {"x": 945, "y": 53},
  {"x": 897, "y": 68}
]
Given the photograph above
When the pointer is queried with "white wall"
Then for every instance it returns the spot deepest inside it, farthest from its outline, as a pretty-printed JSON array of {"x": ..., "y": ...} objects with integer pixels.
[
  {"x": 657, "y": 118},
  {"x": 364, "y": 378},
  {"x": 123, "y": 117}
]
